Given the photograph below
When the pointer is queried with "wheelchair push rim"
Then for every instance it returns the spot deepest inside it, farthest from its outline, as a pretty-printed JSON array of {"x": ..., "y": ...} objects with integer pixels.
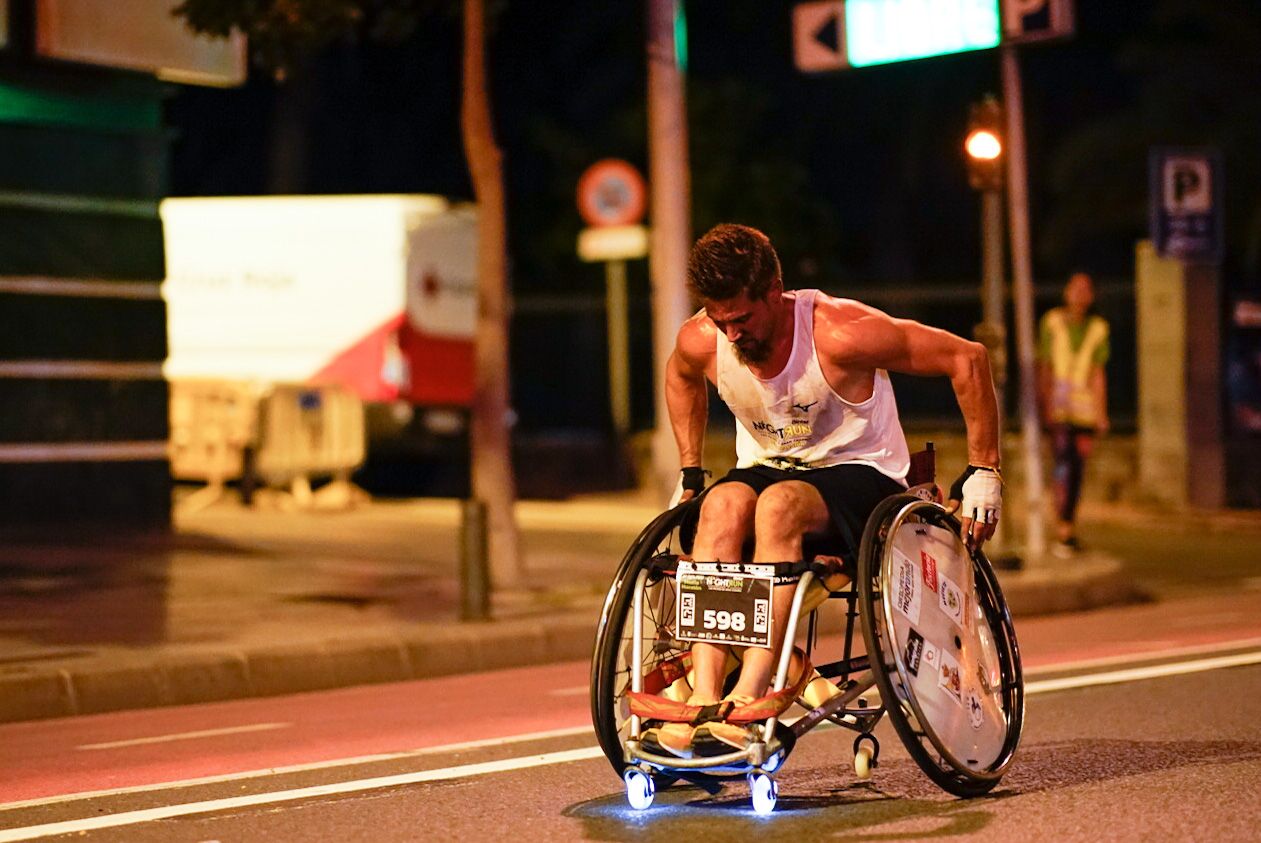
[
  {"x": 961, "y": 721},
  {"x": 612, "y": 657}
]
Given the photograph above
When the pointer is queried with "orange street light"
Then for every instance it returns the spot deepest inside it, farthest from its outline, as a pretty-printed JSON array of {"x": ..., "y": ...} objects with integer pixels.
[{"x": 984, "y": 146}]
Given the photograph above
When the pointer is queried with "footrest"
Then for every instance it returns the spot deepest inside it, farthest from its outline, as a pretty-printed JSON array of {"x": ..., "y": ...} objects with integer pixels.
[{"x": 649, "y": 705}]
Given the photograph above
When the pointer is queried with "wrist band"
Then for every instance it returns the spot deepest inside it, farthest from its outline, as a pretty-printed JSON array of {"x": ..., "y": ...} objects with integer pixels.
[
  {"x": 694, "y": 478},
  {"x": 956, "y": 488}
]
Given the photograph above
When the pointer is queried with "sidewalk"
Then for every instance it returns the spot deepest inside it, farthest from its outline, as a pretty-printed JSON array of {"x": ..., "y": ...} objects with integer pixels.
[{"x": 242, "y": 603}]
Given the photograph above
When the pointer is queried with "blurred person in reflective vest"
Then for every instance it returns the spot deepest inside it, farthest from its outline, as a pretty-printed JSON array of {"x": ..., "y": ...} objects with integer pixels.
[{"x": 1073, "y": 349}]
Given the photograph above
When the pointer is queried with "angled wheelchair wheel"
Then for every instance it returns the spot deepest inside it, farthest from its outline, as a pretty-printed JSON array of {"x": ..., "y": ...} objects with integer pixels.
[
  {"x": 943, "y": 646},
  {"x": 657, "y": 546}
]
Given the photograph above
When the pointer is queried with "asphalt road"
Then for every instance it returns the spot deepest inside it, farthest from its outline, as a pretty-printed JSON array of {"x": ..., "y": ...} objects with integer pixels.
[{"x": 1112, "y": 750}]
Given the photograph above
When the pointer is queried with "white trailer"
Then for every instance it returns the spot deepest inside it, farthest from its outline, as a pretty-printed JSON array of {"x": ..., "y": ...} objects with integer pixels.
[{"x": 374, "y": 293}]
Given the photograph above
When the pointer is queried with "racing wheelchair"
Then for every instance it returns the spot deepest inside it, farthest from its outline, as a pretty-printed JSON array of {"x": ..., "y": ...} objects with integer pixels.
[{"x": 940, "y": 657}]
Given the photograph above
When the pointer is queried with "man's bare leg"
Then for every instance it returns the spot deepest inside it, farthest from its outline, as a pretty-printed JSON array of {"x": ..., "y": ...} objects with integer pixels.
[
  {"x": 726, "y": 521},
  {"x": 785, "y": 513}
]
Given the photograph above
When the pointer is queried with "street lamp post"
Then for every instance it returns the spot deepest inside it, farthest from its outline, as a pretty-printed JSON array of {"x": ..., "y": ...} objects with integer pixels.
[
  {"x": 984, "y": 148},
  {"x": 1022, "y": 297}
]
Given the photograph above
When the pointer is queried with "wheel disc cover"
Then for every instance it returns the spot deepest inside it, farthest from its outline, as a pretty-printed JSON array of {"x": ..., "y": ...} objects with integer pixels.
[{"x": 947, "y": 667}]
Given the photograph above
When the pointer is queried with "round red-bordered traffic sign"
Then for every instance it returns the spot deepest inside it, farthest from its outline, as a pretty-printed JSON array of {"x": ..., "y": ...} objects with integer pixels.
[{"x": 611, "y": 192}]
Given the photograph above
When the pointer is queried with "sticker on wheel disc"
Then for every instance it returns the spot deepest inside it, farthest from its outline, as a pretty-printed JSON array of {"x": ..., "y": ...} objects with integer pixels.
[
  {"x": 975, "y": 712},
  {"x": 907, "y": 597},
  {"x": 914, "y": 651},
  {"x": 950, "y": 598},
  {"x": 948, "y": 678},
  {"x": 930, "y": 570}
]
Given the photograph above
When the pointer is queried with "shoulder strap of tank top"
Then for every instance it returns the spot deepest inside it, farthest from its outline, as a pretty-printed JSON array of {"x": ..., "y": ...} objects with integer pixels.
[
  {"x": 723, "y": 358},
  {"x": 805, "y": 319}
]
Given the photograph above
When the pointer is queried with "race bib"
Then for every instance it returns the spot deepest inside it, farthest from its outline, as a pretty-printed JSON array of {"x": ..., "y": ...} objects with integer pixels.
[{"x": 725, "y": 603}]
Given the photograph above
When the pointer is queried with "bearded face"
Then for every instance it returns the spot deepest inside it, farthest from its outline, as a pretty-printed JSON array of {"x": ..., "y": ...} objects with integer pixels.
[
  {"x": 752, "y": 350},
  {"x": 748, "y": 324}
]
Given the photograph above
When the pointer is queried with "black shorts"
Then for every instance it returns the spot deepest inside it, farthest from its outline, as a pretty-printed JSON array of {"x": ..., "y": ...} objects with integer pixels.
[{"x": 851, "y": 492}]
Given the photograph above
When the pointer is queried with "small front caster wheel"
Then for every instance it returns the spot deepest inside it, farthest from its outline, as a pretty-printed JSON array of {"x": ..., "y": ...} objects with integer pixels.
[
  {"x": 862, "y": 763},
  {"x": 866, "y": 751},
  {"x": 639, "y": 788},
  {"x": 765, "y": 792}
]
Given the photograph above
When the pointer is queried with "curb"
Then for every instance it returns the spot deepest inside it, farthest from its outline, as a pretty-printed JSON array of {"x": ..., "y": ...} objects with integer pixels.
[
  {"x": 175, "y": 676},
  {"x": 119, "y": 680},
  {"x": 1093, "y": 582}
]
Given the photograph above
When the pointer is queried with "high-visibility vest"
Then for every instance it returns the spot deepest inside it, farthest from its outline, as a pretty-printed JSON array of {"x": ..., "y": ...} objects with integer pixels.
[{"x": 1072, "y": 400}]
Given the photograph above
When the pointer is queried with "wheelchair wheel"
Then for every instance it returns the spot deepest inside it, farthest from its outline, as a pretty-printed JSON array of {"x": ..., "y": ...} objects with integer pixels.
[
  {"x": 942, "y": 644},
  {"x": 612, "y": 659}
]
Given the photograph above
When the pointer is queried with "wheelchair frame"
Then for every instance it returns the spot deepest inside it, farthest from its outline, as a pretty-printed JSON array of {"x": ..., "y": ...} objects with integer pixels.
[{"x": 649, "y": 564}]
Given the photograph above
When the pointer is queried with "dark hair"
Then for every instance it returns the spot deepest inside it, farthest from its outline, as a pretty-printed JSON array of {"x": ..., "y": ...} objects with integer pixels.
[{"x": 731, "y": 259}]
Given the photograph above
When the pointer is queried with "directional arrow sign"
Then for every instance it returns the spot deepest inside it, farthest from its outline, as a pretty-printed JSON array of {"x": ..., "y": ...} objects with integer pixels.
[
  {"x": 857, "y": 33},
  {"x": 819, "y": 36},
  {"x": 1036, "y": 20}
]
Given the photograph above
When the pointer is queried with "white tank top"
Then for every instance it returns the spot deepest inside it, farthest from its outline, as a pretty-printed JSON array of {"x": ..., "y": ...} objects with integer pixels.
[{"x": 796, "y": 419}]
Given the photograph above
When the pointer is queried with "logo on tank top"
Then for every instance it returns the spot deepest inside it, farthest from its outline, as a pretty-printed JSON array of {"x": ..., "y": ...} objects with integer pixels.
[{"x": 793, "y": 433}]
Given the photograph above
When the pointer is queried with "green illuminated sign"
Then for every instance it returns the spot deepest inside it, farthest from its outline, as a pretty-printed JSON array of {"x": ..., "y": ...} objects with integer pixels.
[{"x": 883, "y": 31}]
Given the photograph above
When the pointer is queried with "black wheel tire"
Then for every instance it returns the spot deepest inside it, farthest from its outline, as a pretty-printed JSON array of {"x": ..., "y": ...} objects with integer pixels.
[
  {"x": 958, "y": 781},
  {"x": 609, "y": 670}
]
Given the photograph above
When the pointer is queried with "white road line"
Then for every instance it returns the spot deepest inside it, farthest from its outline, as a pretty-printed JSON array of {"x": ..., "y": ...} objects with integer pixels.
[
  {"x": 571, "y": 691},
  {"x": 301, "y": 768},
  {"x": 525, "y": 762},
  {"x": 234, "y": 802},
  {"x": 1146, "y": 655},
  {"x": 1137, "y": 674},
  {"x": 188, "y": 736}
]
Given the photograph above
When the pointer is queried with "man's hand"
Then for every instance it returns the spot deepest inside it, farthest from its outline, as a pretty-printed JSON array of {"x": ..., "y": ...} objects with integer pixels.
[
  {"x": 978, "y": 497},
  {"x": 693, "y": 482}
]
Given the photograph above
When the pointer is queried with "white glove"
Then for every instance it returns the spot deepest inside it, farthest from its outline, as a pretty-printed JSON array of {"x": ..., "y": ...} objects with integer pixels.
[{"x": 982, "y": 496}]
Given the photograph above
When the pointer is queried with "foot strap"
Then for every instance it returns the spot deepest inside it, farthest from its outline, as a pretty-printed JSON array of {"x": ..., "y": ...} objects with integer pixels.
[
  {"x": 781, "y": 573},
  {"x": 715, "y": 711},
  {"x": 648, "y": 704}
]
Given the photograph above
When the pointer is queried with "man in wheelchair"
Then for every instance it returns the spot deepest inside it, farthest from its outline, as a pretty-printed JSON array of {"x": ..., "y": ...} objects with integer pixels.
[{"x": 818, "y": 440}]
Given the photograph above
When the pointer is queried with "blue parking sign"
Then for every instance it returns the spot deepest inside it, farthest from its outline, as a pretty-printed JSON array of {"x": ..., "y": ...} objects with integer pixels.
[{"x": 1185, "y": 198}]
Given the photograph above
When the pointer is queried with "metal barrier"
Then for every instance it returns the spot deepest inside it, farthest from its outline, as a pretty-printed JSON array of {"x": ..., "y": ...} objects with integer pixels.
[
  {"x": 213, "y": 427},
  {"x": 279, "y": 435},
  {"x": 305, "y": 432}
]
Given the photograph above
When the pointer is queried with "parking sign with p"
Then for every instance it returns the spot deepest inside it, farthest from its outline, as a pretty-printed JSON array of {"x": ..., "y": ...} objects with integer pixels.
[{"x": 1185, "y": 204}]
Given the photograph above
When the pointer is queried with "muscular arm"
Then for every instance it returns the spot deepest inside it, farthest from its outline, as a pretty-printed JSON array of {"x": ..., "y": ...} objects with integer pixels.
[
  {"x": 686, "y": 396},
  {"x": 862, "y": 337}
]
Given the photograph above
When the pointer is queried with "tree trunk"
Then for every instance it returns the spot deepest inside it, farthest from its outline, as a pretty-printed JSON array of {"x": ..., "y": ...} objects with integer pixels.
[
  {"x": 493, "y": 479},
  {"x": 288, "y": 142},
  {"x": 670, "y": 184}
]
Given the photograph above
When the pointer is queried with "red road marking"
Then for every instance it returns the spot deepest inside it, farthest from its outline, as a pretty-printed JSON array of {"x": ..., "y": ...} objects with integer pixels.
[{"x": 40, "y": 758}]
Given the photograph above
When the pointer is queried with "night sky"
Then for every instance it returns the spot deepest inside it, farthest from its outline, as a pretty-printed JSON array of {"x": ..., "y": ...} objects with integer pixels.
[
  {"x": 858, "y": 176},
  {"x": 872, "y": 155}
]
